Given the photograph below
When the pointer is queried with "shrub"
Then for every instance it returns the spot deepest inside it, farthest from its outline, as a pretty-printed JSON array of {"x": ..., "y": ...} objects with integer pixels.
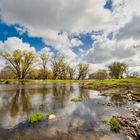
[
  {"x": 115, "y": 124},
  {"x": 7, "y": 82},
  {"x": 35, "y": 117},
  {"x": 76, "y": 99}
]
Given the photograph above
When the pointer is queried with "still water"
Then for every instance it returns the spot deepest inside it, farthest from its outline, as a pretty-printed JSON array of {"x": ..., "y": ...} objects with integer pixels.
[{"x": 74, "y": 121}]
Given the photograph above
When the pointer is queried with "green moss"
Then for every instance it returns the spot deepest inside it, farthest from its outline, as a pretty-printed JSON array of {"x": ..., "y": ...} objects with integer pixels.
[
  {"x": 76, "y": 99},
  {"x": 115, "y": 124},
  {"x": 35, "y": 117}
]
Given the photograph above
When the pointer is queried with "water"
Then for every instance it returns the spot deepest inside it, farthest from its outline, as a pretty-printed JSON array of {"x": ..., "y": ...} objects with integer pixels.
[{"x": 74, "y": 121}]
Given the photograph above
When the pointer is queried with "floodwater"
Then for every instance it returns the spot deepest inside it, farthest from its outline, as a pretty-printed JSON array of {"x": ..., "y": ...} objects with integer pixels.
[{"x": 74, "y": 121}]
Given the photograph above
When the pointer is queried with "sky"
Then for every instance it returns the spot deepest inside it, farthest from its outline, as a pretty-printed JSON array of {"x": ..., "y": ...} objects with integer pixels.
[{"x": 96, "y": 32}]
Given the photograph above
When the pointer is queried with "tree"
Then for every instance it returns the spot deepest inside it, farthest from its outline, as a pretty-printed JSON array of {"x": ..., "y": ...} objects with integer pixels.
[
  {"x": 82, "y": 71},
  {"x": 19, "y": 62},
  {"x": 100, "y": 75},
  {"x": 117, "y": 69},
  {"x": 71, "y": 72},
  {"x": 44, "y": 56},
  {"x": 59, "y": 68},
  {"x": 133, "y": 74}
]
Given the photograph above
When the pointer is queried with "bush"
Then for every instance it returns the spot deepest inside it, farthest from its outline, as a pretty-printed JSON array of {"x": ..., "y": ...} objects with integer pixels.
[
  {"x": 7, "y": 82},
  {"x": 115, "y": 124},
  {"x": 35, "y": 117},
  {"x": 76, "y": 99}
]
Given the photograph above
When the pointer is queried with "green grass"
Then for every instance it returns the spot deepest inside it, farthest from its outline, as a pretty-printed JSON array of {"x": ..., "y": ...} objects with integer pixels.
[
  {"x": 35, "y": 117},
  {"x": 137, "y": 93},
  {"x": 76, "y": 99},
  {"x": 115, "y": 124},
  {"x": 113, "y": 83}
]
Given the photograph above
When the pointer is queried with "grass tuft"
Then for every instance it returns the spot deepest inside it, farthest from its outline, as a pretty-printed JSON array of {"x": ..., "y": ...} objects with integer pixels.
[
  {"x": 115, "y": 124},
  {"x": 76, "y": 99},
  {"x": 35, "y": 117}
]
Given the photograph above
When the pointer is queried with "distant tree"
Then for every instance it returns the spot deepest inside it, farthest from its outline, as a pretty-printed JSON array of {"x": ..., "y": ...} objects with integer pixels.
[
  {"x": 59, "y": 68},
  {"x": 44, "y": 56},
  {"x": 19, "y": 62},
  {"x": 6, "y": 73},
  {"x": 33, "y": 74},
  {"x": 132, "y": 74},
  {"x": 99, "y": 75},
  {"x": 117, "y": 69},
  {"x": 82, "y": 71},
  {"x": 71, "y": 72}
]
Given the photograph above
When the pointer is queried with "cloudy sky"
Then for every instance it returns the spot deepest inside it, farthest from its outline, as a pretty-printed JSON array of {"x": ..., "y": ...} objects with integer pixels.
[{"x": 96, "y": 32}]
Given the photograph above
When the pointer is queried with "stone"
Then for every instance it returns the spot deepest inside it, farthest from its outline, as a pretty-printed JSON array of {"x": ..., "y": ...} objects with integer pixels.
[
  {"x": 52, "y": 116},
  {"x": 129, "y": 138}
]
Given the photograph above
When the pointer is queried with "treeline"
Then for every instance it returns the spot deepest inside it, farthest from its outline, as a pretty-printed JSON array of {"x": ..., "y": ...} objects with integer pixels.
[
  {"x": 116, "y": 70},
  {"x": 27, "y": 65}
]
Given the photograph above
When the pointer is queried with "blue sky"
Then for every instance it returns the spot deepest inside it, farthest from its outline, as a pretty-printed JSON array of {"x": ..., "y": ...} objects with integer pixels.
[{"x": 91, "y": 31}]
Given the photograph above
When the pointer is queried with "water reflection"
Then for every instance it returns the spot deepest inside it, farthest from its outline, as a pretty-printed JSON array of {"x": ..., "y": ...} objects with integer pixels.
[
  {"x": 83, "y": 118},
  {"x": 16, "y": 104}
]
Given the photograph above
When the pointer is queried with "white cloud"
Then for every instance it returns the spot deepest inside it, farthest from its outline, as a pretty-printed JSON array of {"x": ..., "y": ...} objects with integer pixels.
[
  {"x": 14, "y": 43},
  {"x": 70, "y": 15},
  {"x": 48, "y": 18}
]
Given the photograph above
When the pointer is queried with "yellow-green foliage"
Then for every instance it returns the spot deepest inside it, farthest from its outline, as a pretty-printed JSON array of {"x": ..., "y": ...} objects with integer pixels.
[
  {"x": 35, "y": 117},
  {"x": 76, "y": 99},
  {"x": 115, "y": 124}
]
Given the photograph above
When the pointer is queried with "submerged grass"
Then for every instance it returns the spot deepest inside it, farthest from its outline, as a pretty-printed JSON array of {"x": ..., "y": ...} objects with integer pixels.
[
  {"x": 35, "y": 117},
  {"x": 76, "y": 99},
  {"x": 115, "y": 124}
]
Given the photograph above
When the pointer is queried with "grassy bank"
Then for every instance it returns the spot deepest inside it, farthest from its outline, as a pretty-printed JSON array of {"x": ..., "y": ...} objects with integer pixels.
[
  {"x": 106, "y": 85},
  {"x": 27, "y": 81}
]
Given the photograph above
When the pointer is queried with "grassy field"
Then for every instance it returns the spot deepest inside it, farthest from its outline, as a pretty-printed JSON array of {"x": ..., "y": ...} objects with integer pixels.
[
  {"x": 126, "y": 83},
  {"x": 113, "y": 83}
]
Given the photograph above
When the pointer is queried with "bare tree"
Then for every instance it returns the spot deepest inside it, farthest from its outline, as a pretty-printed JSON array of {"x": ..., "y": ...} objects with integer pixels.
[
  {"x": 44, "y": 56},
  {"x": 71, "y": 72},
  {"x": 59, "y": 68},
  {"x": 19, "y": 62},
  {"x": 99, "y": 75},
  {"x": 117, "y": 69},
  {"x": 82, "y": 71}
]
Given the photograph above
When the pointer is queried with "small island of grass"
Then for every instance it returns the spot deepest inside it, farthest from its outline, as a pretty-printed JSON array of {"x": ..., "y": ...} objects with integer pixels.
[
  {"x": 76, "y": 99},
  {"x": 35, "y": 117}
]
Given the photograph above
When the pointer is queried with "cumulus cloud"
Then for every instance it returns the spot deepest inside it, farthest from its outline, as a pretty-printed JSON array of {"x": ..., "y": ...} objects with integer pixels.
[
  {"x": 105, "y": 51},
  {"x": 130, "y": 29},
  {"x": 57, "y": 22},
  {"x": 14, "y": 43},
  {"x": 48, "y": 18},
  {"x": 70, "y": 15}
]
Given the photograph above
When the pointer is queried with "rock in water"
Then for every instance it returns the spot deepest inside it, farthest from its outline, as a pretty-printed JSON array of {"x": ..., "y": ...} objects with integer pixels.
[
  {"x": 52, "y": 116},
  {"x": 129, "y": 138}
]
